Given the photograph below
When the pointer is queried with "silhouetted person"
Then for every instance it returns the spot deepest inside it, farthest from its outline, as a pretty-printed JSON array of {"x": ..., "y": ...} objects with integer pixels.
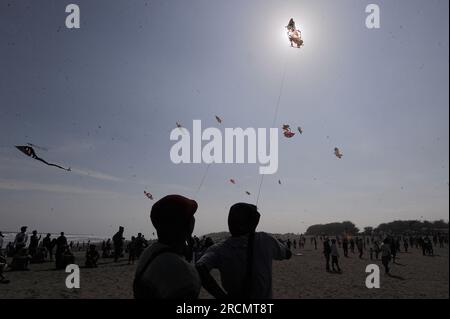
[
  {"x": 92, "y": 257},
  {"x": 162, "y": 272},
  {"x": 359, "y": 245},
  {"x": 21, "y": 239},
  {"x": 345, "y": 246},
  {"x": 61, "y": 245},
  {"x": 405, "y": 245},
  {"x": 334, "y": 256},
  {"x": 118, "y": 244},
  {"x": 131, "y": 250},
  {"x": 393, "y": 247},
  {"x": 141, "y": 244},
  {"x": 288, "y": 244},
  {"x": 3, "y": 266},
  {"x": 327, "y": 253},
  {"x": 1, "y": 242},
  {"x": 386, "y": 255},
  {"x": 47, "y": 244},
  {"x": 244, "y": 260},
  {"x": 34, "y": 243},
  {"x": 352, "y": 245},
  {"x": 315, "y": 243}
]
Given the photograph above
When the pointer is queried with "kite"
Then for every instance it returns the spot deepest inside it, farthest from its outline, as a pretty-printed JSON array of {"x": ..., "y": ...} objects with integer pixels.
[
  {"x": 279, "y": 181},
  {"x": 232, "y": 181},
  {"x": 248, "y": 193},
  {"x": 149, "y": 196},
  {"x": 38, "y": 147},
  {"x": 287, "y": 131},
  {"x": 337, "y": 152},
  {"x": 300, "y": 130},
  {"x": 288, "y": 134},
  {"x": 291, "y": 25},
  {"x": 218, "y": 119},
  {"x": 29, "y": 151},
  {"x": 294, "y": 35}
]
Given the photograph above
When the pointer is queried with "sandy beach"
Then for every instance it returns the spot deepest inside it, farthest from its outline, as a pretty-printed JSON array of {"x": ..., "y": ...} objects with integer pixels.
[{"x": 415, "y": 276}]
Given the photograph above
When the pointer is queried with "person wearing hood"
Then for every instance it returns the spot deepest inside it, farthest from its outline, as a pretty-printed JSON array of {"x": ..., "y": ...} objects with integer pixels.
[
  {"x": 163, "y": 272},
  {"x": 244, "y": 260}
]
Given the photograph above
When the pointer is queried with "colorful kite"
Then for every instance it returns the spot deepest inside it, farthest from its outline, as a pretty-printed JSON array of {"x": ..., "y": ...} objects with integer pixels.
[
  {"x": 287, "y": 131},
  {"x": 338, "y": 153},
  {"x": 29, "y": 151},
  {"x": 288, "y": 134},
  {"x": 149, "y": 196}
]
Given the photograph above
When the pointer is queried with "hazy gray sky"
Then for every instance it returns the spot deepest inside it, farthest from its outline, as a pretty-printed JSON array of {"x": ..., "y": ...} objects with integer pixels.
[{"x": 103, "y": 100}]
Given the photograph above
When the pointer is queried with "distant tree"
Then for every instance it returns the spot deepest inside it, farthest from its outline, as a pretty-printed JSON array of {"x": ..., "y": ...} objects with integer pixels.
[
  {"x": 345, "y": 227},
  {"x": 411, "y": 226}
]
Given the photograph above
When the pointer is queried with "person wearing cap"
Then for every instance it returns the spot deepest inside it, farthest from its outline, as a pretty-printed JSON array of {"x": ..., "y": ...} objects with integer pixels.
[
  {"x": 244, "y": 260},
  {"x": 163, "y": 272},
  {"x": 21, "y": 239}
]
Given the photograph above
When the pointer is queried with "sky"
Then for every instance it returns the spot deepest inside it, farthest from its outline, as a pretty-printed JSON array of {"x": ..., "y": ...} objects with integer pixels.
[{"x": 104, "y": 98}]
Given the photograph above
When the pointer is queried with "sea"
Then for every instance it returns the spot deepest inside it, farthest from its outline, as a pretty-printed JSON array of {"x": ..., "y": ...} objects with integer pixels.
[{"x": 9, "y": 237}]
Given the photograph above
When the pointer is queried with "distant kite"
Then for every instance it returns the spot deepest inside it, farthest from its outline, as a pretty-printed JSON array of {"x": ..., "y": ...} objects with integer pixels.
[
  {"x": 179, "y": 125},
  {"x": 338, "y": 153},
  {"x": 38, "y": 147},
  {"x": 29, "y": 151},
  {"x": 287, "y": 131},
  {"x": 248, "y": 193},
  {"x": 149, "y": 196},
  {"x": 279, "y": 181},
  {"x": 300, "y": 130},
  {"x": 218, "y": 119},
  {"x": 232, "y": 181},
  {"x": 288, "y": 134}
]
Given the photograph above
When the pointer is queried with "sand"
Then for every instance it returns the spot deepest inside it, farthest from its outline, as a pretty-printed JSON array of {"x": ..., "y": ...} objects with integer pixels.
[{"x": 303, "y": 277}]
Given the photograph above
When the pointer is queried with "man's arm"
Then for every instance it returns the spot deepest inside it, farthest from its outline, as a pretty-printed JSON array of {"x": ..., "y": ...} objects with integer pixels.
[
  {"x": 279, "y": 249},
  {"x": 208, "y": 261},
  {"x": 209, "y": 283}
]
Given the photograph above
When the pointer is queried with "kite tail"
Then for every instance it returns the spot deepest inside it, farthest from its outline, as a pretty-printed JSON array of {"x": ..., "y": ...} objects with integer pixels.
[{"x": 50, "y": 164}]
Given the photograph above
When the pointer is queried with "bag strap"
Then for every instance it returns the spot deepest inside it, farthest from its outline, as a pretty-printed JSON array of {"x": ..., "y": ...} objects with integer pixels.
[{"x": 249, "y": 267}]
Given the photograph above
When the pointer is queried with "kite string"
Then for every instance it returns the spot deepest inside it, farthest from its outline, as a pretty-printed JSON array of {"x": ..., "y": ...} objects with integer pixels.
[
  {"x": 202, "y": 180},
  {"x": 275, "y": 117}
]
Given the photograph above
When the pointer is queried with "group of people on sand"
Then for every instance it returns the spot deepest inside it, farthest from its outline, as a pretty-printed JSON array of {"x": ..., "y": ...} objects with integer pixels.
[
  {"x": 244, "y": 260},
  {"x": 118, "y": 246},
  {"x": 178, "y": 264},
  {"x": 30, "y": 249},
  {"x": 387, "y": 249}
]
